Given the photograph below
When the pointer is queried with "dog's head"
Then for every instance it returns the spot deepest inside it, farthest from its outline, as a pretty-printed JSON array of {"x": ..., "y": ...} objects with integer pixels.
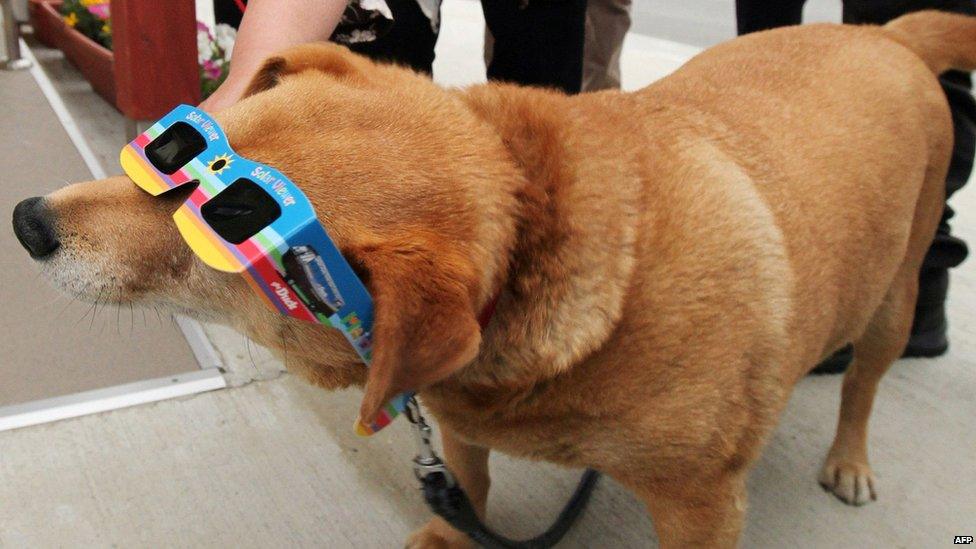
[{"x": 413, "y": 190}]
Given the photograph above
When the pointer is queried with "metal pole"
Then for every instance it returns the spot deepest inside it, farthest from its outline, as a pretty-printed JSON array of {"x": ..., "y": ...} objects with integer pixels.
[{"x": 11, "y": 39}]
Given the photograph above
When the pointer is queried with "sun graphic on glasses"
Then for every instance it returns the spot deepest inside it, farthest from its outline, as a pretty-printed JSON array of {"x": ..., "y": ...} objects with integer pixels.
[{"x": 220, "y": 163}]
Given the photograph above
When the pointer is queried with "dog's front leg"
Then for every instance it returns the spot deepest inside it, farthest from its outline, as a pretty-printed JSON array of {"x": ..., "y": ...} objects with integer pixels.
[
  {"x": 469, "y": 464},
  {"x": 694, "y": 512}
]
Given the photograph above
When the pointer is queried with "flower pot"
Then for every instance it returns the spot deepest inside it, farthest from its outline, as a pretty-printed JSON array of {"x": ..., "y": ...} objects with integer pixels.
[{"x": 94, "y": 61}]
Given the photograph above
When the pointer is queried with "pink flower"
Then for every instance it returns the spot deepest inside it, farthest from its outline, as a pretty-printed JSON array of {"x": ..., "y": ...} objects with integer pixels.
[
  {"x": 212, "y": 69},
  {"x": 203, "y": 28},
  {"x": 100, "y": 11}
]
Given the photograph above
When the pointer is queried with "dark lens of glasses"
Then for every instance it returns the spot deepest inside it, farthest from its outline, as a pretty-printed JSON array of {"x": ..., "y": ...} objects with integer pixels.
[
  {"x": 240, "y": 211},
  {"x": 175, "y": 147}
]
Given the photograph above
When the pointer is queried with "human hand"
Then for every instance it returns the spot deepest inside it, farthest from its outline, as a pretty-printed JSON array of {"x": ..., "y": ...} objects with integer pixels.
[
  {"x": 226, "y": 95},
  {"x": 295, "y": 22}
]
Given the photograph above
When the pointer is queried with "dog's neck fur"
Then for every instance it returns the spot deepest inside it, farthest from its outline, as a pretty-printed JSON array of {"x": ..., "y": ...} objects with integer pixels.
[{"x": 565, "y": 284}]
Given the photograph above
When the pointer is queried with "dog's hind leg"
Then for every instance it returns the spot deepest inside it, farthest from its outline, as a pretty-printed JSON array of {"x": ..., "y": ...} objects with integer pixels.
[
  {"x": 469, "y": 464},
  {"x": 846, "y": 472}
]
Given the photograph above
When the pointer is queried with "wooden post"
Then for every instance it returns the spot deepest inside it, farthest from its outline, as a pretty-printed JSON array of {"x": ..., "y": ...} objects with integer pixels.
[{"x": 155, "y": 47}]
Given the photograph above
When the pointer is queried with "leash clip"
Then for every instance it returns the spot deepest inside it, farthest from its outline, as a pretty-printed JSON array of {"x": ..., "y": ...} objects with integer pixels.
[
  {"x": 427, "y": 462},
  {"x": 447, "y": 499}
]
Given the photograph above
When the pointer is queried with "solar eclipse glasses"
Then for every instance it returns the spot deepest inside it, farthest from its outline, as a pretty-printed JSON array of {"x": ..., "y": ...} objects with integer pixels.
[{"x": 248, "y": 218}]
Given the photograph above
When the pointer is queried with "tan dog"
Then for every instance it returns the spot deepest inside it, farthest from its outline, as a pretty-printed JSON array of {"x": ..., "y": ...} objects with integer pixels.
[{"x": 669, "y": 261}]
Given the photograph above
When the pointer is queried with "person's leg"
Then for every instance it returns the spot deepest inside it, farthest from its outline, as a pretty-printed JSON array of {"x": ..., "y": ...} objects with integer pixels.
[
  {"x": 947, "y": 251},
  {"x": 759, "y": 15},
  {"x": 409, "y": 40},
  {"x": 929, "y": 330},
  {"x": 879, "y": 12},
  {"x": 607, "y": 23},
  {"x": 536, "y": 42}
]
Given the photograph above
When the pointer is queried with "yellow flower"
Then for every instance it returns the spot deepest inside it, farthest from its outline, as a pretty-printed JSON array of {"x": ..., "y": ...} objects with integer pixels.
[
  {"x": 71, "y": 19},
  {"x": 87, "y": 3},
  {"x": 107, "y": 28}
]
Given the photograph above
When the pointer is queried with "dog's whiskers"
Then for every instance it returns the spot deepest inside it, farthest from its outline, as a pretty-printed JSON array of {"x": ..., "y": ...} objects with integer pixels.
[
  {"x": 98, "y": 301},
  {"x": 87, "y": 311}
]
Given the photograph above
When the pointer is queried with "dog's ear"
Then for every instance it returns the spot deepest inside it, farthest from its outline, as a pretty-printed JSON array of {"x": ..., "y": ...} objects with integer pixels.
[
  {"x": 325, "y": 57},
  {"x": 425, "y": 326}
]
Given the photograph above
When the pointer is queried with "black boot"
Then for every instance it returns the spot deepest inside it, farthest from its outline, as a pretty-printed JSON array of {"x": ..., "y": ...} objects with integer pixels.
[
  {"x": 928, "y": 337},
  {"x": 836, "y": 363}
]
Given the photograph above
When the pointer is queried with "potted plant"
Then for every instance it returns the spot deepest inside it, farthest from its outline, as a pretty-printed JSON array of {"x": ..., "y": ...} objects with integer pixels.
[
  {"x": 59, "y": 24},
  {"x": 82, "y": 29}
]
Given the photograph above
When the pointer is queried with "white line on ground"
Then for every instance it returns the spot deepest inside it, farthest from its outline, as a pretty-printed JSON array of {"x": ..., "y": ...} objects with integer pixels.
[
  {"x": 70, "y": 127},
  {"x": 109, "y": 398}
]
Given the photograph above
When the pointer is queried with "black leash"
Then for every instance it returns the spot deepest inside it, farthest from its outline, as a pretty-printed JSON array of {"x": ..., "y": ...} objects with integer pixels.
[{"x": 446, "y": 498}]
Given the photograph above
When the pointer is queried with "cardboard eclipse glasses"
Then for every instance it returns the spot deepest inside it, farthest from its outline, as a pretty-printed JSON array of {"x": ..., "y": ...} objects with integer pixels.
[{"x": 248, "y": 218}]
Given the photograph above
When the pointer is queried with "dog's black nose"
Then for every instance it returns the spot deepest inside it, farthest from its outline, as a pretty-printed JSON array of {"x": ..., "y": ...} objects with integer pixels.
[{"x": 34, "y": 227}]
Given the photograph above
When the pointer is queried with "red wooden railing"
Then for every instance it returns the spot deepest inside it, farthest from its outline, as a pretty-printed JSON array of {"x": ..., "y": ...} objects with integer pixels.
[{"x": 155, "y": 48}]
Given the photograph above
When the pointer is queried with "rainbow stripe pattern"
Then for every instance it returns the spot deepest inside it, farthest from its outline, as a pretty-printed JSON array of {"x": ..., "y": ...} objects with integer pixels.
[{"x": 259, "y": 259}]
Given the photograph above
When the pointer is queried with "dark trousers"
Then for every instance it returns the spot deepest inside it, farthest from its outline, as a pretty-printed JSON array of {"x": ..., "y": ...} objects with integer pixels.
[
  {"x": 409, "y": 41},
  {"x": 946, "y": 251},
  {"x": 537, "y": 43}
]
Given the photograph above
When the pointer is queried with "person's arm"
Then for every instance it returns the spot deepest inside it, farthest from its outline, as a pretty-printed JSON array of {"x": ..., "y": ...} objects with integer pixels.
[{"x": 269, "y": 26}]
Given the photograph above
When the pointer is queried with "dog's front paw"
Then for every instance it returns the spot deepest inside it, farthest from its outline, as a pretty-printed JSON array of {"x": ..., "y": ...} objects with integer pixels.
[
  {"x": 851, "y": 481},
  {"x": 437, "y": 534}
]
